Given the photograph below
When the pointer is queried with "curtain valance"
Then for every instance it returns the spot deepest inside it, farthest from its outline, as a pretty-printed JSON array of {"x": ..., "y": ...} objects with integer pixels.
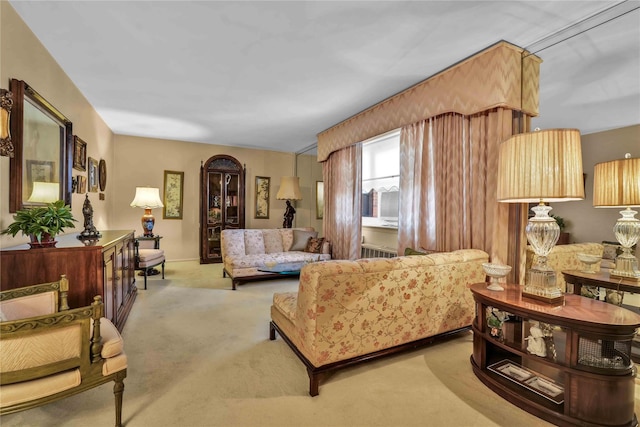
[{"x": 502, "y": 75}]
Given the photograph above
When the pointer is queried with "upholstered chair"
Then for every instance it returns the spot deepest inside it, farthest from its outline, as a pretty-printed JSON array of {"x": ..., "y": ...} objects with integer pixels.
[
  {"x": 49, "y": 352},
  {"x": 148, "y": 255}
]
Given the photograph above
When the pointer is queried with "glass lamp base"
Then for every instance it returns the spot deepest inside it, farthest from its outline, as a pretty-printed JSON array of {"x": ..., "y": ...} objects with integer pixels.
[
  {"x": 626, "y": 267},
  {"x": 541, "y": 285}
]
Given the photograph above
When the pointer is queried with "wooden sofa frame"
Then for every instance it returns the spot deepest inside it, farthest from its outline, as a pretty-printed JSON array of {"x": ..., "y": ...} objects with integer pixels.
[{"x": 316, "y": 372}]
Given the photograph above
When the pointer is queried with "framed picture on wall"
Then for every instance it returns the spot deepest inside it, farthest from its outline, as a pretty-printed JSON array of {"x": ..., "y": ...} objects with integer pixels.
[
  {"x": 262, "y": 197},
  {"x": 319, "y": 199},
  {"x": 79, "y": 154},
  {"x": 93, "y": 175},
  {"x": 173, "y": 189}
]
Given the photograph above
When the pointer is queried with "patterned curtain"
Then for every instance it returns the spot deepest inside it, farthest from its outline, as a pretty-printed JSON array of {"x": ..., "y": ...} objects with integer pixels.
[
  {"x": 448, "y": 184},
  {"x": 342, "y": 175}
]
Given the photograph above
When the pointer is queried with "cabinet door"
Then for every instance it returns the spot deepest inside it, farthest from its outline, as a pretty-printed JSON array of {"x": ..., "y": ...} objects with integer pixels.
[
  {"x": 222, "y": 203},
  {"x": 109, "y": 260},
  {"x": 118, "y": 281},
  {"x": 232, "y": 190}
]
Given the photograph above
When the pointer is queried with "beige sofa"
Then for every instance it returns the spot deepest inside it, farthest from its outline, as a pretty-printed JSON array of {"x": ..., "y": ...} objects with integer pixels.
[
  {"x": 244, "y": 251},
  {"x": 346, "y": 312}
]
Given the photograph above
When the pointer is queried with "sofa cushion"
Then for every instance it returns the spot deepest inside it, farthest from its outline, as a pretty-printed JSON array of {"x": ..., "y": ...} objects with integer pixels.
[
  {"x": 272, "y": 241},
  {"x": 253, "y": 242},
  {"x": 301, "y": 238},
  {"x": 287, "y": 238},
  {"x": 314, "y": 245}
]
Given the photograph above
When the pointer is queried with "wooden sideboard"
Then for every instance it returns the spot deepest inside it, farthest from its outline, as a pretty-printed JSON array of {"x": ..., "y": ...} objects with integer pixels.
[
  {"x": 100, "y": 267},
  {"x": 568, "y": 364}
]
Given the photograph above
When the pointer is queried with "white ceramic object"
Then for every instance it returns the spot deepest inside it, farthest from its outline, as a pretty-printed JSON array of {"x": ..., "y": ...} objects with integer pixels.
[
  {"x": 589, "y": 261},
  {"x": 497, "y": 272}
]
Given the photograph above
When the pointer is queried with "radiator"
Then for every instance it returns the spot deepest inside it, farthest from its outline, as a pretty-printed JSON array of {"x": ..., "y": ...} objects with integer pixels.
[{"x": 374, "y": 251}]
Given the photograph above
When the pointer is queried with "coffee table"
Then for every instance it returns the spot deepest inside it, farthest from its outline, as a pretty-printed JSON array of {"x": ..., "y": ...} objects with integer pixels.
[{"x": 289, "y": 269}]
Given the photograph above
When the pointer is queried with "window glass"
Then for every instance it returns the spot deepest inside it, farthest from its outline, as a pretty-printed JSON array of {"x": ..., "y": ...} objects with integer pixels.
[{"x": 381, "y": 180}]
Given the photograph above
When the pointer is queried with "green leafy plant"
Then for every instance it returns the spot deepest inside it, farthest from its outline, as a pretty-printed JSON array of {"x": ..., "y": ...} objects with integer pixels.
[
  {"x": 560, "y": 222},
  {"x": 41, "y": 220}
]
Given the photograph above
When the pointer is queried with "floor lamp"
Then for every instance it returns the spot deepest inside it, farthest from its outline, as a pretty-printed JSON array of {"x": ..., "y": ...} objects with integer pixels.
[
  {"x": 539, "y": 167},
  {"x": 616, "y": 184}
]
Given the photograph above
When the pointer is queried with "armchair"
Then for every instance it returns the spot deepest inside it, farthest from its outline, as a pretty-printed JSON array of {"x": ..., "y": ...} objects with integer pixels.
[
  {"x": 148, "y": 255},
  {"x": 49, "y": 352}
]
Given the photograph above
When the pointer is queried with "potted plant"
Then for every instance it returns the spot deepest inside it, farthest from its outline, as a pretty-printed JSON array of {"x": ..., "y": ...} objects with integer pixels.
[
  {"x": 564, "y": 237},
  {"x": 41, "y": 223}
]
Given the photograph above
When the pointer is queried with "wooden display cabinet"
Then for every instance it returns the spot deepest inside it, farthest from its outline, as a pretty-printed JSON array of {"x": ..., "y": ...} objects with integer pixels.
[
  {"x": 102, "y": 267},
  {"x": 222, "y": 181},
  {"x": 569, "y": 364}
]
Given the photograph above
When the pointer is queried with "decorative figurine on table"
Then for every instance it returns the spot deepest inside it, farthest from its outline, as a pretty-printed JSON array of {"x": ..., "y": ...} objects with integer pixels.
[
  {"x": 536, "y": 345},
  {"x": 90, "y": 232},
  {"x": 288, "y": 216}
]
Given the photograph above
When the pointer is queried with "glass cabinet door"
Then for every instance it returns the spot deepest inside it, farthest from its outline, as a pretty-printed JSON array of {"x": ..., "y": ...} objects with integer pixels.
[
  {"x": 222, "y": 203},
  {"x": 232, "y": 189}
]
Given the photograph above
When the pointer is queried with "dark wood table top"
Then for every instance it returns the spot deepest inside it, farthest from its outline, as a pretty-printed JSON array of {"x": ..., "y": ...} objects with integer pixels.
[
  {"x": 601, "y": 278},
  {"x": 575, "y": 308}
]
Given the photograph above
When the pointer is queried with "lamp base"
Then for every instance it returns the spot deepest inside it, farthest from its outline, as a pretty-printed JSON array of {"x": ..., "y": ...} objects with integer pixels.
[
  {"x": 148, "y": 221},
  {"x": 626, "y": 268},
  {"x": 541, "y": 285}
]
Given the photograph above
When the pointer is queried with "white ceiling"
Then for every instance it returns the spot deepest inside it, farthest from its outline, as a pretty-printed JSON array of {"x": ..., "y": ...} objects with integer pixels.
[{"x": 272, "y": 75}]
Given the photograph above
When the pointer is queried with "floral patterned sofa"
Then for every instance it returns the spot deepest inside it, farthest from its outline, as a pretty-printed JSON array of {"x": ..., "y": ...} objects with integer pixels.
[
  {"x": 244, "y": 251},
  {"x": 346, "y": 312}
]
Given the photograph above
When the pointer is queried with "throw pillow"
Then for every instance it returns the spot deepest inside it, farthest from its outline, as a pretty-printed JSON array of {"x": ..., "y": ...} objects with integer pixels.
[
  {"x": 314, "y": 245},
  {"x": 300, "y": 239},
  {"x": 411, "y": 251}
]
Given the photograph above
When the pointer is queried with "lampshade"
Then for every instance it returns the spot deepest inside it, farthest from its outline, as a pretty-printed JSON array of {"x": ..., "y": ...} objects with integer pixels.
[
  {"x": 617, "y": 184},
  {"x": 45, "y": 192},
  {"x": 147, "y": 198},
  {"x": 289, "y": 188},
  {"x": 541, "y": 165}
]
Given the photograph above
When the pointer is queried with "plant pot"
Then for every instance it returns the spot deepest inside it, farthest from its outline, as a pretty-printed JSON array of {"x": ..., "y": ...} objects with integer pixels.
[{"x": 47, "y": 241}]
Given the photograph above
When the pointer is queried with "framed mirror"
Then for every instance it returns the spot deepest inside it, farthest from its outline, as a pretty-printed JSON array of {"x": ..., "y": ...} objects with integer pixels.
[{"x": 43, "y": 148}]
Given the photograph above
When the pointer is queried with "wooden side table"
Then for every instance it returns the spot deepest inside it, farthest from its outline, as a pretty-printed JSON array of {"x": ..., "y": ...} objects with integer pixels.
[{"x": 584, "y": 375}]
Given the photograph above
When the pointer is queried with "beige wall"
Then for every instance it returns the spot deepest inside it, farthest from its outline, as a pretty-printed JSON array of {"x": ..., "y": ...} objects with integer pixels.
[
  {"x": 23, "y": 57},
  {"x": 584, "y": 222},
  {"x": 142, "y": 162}
]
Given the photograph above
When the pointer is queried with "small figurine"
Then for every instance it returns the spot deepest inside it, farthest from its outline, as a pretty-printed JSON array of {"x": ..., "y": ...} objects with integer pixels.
[
  {"x": 90, "y": 231},
  {"x": 288, "y": 215},
  {"x": 536, "y": 342}
]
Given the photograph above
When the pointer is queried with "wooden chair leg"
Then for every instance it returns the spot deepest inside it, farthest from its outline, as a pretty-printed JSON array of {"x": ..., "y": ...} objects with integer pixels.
[
  {"x": 313, "y": 383},
  {"x": 118, "y": 390},
  {"x": 163, "y": 270},
  {"x": 145, "y": 278}
]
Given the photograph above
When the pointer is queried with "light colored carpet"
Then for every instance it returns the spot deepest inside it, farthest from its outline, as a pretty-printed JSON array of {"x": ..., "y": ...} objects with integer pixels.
[{"x": 199, "y": 355}]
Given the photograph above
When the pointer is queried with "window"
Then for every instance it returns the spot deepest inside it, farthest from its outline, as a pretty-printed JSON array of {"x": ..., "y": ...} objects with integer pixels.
[{"x": 381, "y": 181}]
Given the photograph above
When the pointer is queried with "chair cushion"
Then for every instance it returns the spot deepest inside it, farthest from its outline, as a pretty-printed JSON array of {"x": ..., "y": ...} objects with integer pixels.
[
  {"x": 112, "y": 342},
  {"x": 149, "y": 254},
  {"x": 29, "y": 306},
  {"x": 13, "y": 394},
  {"x": 253, "y": 242}
]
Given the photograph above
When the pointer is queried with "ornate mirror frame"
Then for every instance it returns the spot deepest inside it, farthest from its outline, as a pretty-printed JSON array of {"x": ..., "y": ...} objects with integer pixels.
[
  {"x": 46, "y": 154},
  {"x": 6, "y": 102}
]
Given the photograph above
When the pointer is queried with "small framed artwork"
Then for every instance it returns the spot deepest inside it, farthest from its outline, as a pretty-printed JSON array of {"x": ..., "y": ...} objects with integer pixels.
[
  {"x": 102, "y": 172},
  {"x": 262, "y": 197},
  {"x": 79, "y": 154},
  {"x": 81, "y": 186},
  {"x": 93, "y": 175},
  {"x": 173, "y": 188},
  {"x": 319, "y": 199}
]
